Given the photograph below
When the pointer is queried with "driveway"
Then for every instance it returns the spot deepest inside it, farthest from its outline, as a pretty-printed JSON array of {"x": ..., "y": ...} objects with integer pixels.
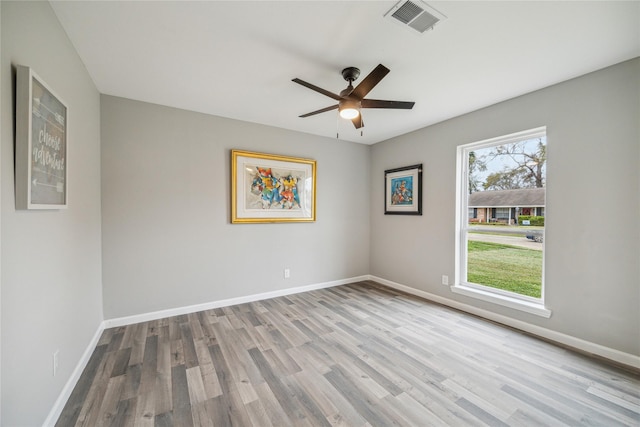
[{"x": 520, "y": 240}]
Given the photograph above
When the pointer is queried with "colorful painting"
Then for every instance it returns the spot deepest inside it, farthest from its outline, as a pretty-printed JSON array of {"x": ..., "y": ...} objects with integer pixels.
[
  {"x": 272, "y": 188},
  {"x": 403, "y": 191}
]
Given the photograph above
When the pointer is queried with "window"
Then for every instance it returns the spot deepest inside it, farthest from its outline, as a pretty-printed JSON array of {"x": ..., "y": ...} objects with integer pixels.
[
  {"x": 500, "y": 255},
  {"x": 502, "y": 213}
]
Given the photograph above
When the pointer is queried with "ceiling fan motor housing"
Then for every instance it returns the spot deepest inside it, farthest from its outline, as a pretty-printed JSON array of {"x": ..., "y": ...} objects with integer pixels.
[{"x": 349, "y": 103}]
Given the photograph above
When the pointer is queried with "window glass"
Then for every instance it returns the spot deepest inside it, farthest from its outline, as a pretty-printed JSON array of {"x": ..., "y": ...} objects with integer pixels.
[{"x": 502, "y": 234}]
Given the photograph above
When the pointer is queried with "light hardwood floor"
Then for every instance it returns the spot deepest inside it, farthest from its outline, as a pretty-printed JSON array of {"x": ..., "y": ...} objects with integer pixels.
[{"x": 353, "y": 355}]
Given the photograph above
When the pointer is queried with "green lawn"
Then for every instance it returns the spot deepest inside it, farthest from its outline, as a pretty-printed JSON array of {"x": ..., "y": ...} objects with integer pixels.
[{"x": 505, "y": 267}]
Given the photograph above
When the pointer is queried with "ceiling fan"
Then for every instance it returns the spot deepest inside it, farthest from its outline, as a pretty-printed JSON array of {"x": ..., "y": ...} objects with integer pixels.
[{"x": 351, "y": 99}]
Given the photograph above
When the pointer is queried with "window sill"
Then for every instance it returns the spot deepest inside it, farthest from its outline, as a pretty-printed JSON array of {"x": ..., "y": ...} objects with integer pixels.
[{"x": 529, "y": 307}]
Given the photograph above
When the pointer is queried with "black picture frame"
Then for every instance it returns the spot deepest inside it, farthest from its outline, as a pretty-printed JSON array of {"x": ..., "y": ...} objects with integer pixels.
[{"x": 403, "y": 190}]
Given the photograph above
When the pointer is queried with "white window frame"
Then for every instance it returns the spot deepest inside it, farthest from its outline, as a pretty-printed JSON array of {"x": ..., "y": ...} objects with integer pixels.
[{"x": 461, "y": 286}]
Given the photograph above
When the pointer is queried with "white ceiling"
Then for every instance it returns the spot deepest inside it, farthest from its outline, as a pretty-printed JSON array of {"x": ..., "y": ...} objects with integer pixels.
[{"x": 236, "y": 59}]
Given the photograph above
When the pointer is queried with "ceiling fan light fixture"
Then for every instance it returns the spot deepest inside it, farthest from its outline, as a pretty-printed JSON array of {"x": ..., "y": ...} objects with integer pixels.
[
  {"x": 349, "y": 109},
  {"x": 349, "y": 113}
]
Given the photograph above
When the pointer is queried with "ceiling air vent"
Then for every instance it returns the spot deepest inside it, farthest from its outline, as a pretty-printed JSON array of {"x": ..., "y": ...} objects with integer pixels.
[{"x": 415, "y": 14}]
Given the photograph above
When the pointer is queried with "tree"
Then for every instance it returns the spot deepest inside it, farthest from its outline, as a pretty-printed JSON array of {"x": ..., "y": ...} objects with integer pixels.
[
  {"x": 475, "y": 165},
  {"x": 507, "y": 179},
  {"x": 529, "y": 169}
]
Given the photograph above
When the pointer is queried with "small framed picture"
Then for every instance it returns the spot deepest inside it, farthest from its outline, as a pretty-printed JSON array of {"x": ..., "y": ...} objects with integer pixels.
[
  {"x": 403, "y": 191},
  {"x": 272, "y": 188},
  {"x": 41, "y": 144}
]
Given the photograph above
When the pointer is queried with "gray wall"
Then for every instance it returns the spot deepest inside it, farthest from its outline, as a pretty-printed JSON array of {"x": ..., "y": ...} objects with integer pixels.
[
  {"x": 592, "y": 242},
  {"x": 167, "y": 237},
  {"x": 51, "y": 262}
]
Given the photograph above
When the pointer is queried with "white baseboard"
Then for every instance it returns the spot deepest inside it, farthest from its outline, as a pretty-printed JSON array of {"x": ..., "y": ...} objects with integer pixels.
[
  {"x": 558, "y": 337},
  {"x": 145, "y": 317},
  {"x": 62, "y": 399}
]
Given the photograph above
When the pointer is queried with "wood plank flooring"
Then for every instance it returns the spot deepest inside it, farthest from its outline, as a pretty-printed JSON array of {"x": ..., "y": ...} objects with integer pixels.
[{"x": 353, "y": 355}]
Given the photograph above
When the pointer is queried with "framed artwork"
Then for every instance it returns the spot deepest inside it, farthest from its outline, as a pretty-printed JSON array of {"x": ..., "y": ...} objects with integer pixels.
[
  {"x": 272, "y": 188},
  {"x": 403, "y": 191},
  {"x": 41, "y": 144}
]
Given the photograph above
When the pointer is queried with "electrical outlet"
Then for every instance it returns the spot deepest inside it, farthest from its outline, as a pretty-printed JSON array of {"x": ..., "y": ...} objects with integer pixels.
[
  {"x": 56, "y": 362},
  {"x": 287, "y": 273},
  {"x": 445, "y": 280}
]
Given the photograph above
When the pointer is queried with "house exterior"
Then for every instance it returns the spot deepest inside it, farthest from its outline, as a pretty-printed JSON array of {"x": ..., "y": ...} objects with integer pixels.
[{"x": 505, "y": 205}]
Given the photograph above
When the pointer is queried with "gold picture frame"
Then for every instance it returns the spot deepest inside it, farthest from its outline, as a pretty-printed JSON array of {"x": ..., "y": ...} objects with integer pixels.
[{"x": 270, "y": 188}]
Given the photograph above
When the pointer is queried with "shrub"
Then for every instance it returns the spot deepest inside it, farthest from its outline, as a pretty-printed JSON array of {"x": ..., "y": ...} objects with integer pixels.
[{"x": 533, "y": 220}]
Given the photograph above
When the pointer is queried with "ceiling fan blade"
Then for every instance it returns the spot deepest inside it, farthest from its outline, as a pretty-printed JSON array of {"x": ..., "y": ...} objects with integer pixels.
[
  {"x": 370, "y": 81},
  {"x": 379, "y": 103},
  {"x": 313, "y": 113},
  {"x": 357, "y": 121},
  {"x": 317, "y": 89}
]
